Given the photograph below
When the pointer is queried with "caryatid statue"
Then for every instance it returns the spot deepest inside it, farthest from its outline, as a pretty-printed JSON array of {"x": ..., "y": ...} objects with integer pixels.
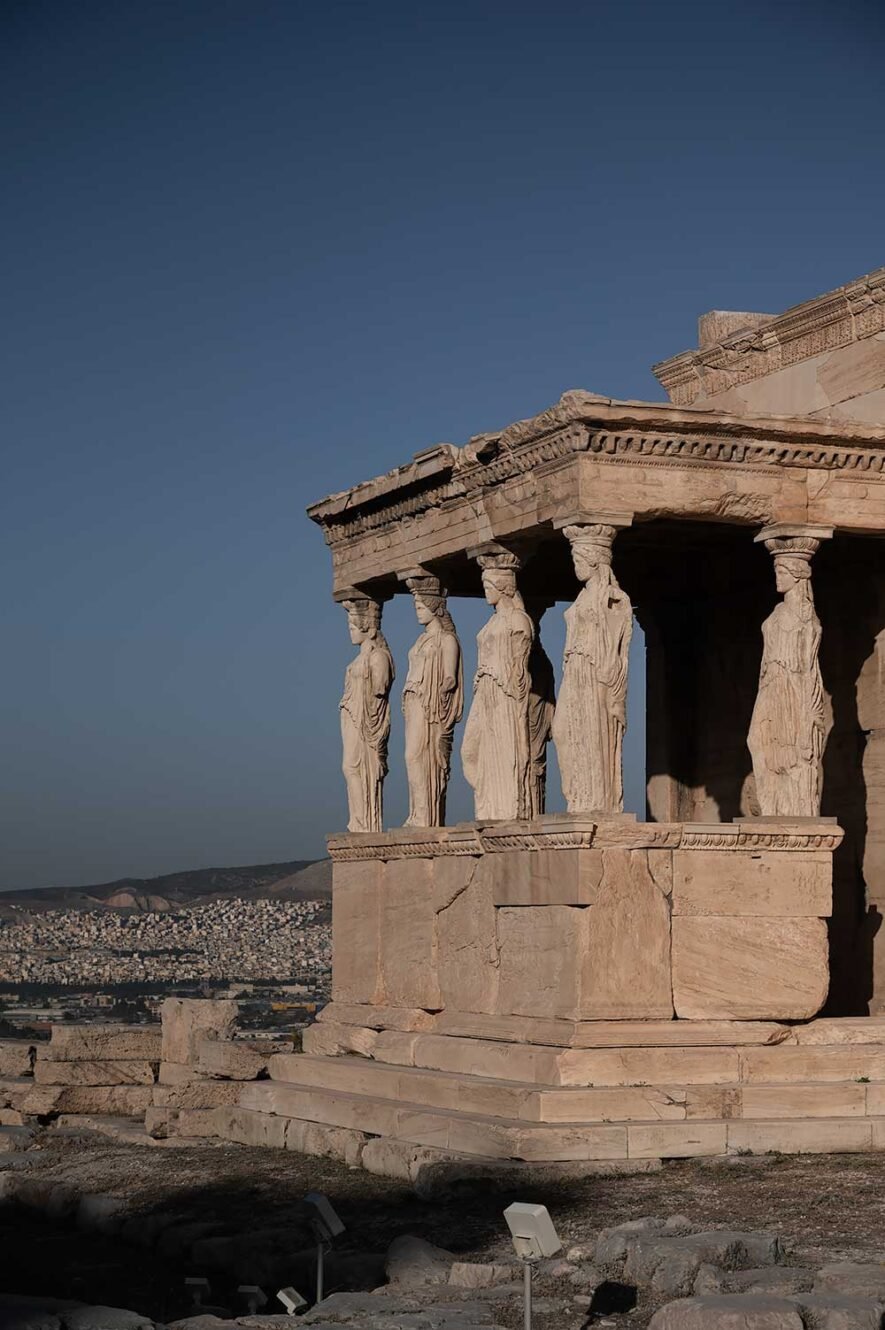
[
  {"x": 365, "y": 715},
  {"x": 542, "y": 699},
  {"x": 788, "y": 727},
  {"x": 591, "y": 713},
  {"x": 496, "y": 750},
  {"x": 433, "y": 699}
]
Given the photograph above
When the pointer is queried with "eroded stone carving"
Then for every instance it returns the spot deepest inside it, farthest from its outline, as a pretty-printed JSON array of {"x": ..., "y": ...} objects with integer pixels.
[
  {"x": 788, "y": 726},
  {"x": 433, "y": 700},
  {"x": 496, "y": 749},
  {"x": 591, "y": 715},
  {"x": 542, "y": 700},
  {"x": 365, "y": 715}
]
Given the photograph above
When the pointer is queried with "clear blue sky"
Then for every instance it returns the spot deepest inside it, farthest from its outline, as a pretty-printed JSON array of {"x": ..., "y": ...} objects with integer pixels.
[{"x": 256, "y": 251}]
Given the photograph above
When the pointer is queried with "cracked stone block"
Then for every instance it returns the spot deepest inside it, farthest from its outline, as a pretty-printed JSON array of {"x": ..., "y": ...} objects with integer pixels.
[{"x": 466, "y": 930}]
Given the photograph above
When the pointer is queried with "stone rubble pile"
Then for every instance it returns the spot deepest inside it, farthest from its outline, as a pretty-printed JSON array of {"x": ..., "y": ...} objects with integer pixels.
[
  {"x": 222, "y": 940},
  {"x": 83, "y": 1069}
]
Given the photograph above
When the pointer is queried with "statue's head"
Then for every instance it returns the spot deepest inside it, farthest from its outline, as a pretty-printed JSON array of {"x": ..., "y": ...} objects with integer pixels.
[
  {"x": 591, "y": 548},
  {"x": 429, "y": 598},
  {"x": 363, "y": 618},
  {"x": 499, "y": 576},
  {"x": 429, "y": 607},
  {"x": 498, "y": 584},
  {"x": 792, "y": 561},
  {"x": 790, "y": 570}
]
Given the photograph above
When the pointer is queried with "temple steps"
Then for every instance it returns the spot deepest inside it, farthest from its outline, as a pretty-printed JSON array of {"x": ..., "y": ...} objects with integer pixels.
[
  {"x": 661, "y": 1066},
  {"x": 529, "y": 1103},
  {"x": 493, "y": 1137}
]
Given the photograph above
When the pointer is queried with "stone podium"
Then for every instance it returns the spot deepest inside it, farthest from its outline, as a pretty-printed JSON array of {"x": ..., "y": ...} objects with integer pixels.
[{"x": 572, "y": 919}]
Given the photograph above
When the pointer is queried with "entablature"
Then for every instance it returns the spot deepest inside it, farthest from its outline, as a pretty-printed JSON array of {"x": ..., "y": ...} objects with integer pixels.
[{"x": 656, "y": 461}]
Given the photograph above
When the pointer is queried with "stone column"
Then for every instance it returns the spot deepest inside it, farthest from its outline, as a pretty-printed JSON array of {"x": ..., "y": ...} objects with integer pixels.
[
  {"x": 433, "y": 699},
  {"x": 496, "y": 751},
  {"x": 591, "y": 713},
  {"x": 365, "y": 712},
  {"x": 788, "y": 727}
]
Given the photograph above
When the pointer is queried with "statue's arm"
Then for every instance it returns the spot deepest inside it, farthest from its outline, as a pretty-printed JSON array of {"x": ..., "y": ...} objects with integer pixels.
[
  {"x": 381, "y": 673},
  {"x": 451, "y": 655}
]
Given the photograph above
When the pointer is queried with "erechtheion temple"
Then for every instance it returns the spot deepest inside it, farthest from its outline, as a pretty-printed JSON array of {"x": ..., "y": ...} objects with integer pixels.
[{"x": 585, "y": 984}]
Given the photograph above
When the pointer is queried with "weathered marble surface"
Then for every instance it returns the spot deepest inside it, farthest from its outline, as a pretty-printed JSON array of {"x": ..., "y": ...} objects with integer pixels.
[
  {"x": 788, "y": 725},
  {"x": 433, "y": 700},
  {"x": 496, "y": 749},
  {"x": 365, "y": 716},
  {"x": 591, "y": 714}
]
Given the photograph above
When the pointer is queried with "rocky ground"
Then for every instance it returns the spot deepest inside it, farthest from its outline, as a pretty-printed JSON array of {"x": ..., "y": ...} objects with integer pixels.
[{"x": 237, "y": 1216}]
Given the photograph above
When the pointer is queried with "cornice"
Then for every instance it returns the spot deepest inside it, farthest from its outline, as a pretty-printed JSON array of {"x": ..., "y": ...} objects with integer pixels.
[{"x": 582, "y": 833}]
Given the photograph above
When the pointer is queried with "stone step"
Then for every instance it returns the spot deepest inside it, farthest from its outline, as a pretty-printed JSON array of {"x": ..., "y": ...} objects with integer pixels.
[
  {"x": 562, "y": 1033},
  {"x": 499, "y": 1138},
  {"x": 529, "y": 1103},
  {"x": 472, "y": 1134},
  {"x": 547, "y": 1066}
]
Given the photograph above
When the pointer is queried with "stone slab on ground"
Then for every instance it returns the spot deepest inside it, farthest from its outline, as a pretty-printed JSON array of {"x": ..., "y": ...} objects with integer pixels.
[
  {"x": 100, "y": 1043},
  {"x": 196, "y": 1094},
  {"x": 728, "y": 1312},
  {"x": 188, "y": 1020},
  {"x": 178, "y": 1073},
  {"x": 105, "y": 1072},
  {"x": 118, "y": 1100},
  {"x": 862, "y": 1280}
]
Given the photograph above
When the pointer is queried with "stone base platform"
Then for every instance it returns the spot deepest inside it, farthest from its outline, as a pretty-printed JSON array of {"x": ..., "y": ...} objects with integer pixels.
[{"x": 606, "y": 1091}]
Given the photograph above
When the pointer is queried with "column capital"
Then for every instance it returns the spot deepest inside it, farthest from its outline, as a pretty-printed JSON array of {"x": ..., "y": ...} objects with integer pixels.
[
  {"x": 419, "y": 579},
  {"x": 789, "y": 531},
  {"x": 359, "y": 594},
  {"x": 495, "y": 555}
]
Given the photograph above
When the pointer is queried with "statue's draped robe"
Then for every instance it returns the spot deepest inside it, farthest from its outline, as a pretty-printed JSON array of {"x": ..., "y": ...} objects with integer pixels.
[
  {"x": 787, "y": 731},
  {"x": 431, "y": 713},
  {"x": 591, "y": 713},
  {"x": 495, "y": 751},
  {"x": 542, "y": 699},
  {"x": 365, "y": 727}
]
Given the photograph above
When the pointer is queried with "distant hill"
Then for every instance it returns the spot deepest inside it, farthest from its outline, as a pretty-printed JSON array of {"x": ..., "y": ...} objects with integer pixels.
[{"x": 298, "y": 880}]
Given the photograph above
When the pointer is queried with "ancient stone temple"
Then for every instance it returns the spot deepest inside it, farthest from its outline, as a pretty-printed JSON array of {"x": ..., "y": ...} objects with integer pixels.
[{"x": 588, "y": 984}]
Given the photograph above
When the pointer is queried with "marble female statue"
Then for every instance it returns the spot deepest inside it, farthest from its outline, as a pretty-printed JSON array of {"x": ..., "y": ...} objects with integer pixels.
[
  {"x": 365, "y": 715},
  {"x": 433, "y": 699},
  {"x": 591, "y": 713},
  {"x": 542, "y": 699},
  {"x": 788, "y": 726},
  {"x": 496, "y": 749}
]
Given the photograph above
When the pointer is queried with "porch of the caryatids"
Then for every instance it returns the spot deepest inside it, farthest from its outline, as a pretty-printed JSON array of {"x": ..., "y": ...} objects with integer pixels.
[
  {"x": 365, "y": 713},
  {"x": 591, "y": 713},
  {"x": 788, "y": 727},
  {"x": 496, "y": 749},
  {"x": 433, "y": 700}
]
